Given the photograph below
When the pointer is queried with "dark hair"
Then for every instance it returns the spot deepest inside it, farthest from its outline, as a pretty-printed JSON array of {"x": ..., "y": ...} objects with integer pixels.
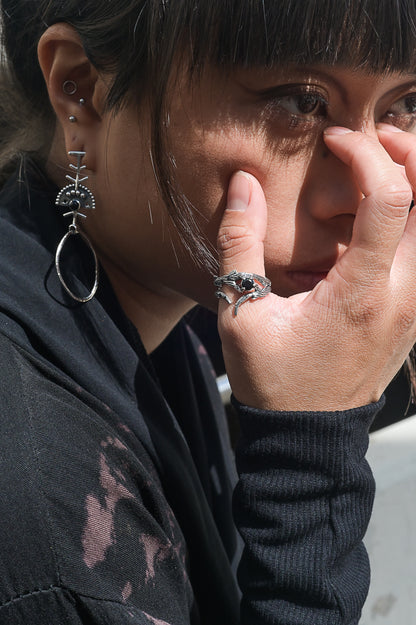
[{"x": 136, "y": 41}]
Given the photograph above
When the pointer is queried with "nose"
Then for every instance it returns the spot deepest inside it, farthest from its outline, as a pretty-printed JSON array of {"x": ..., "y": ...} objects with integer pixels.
[{"x": 330, "y": 191}]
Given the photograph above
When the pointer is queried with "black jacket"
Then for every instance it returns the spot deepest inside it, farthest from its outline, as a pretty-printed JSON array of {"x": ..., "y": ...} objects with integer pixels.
[{"x": 117, "y": 475}]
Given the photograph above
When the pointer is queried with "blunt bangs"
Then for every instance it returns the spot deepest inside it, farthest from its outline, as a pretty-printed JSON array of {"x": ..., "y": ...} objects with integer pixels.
[{"x": 377, "y": 34}]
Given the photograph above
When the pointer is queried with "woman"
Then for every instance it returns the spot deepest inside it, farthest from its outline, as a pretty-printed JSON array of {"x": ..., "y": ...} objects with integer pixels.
[{"x": 239, "y": 140}]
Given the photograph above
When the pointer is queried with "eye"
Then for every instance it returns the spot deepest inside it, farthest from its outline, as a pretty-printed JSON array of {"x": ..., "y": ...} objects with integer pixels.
[
  {"x": 402, "y": 113},
  {"x": 303, "y": 104},
  {"x": 404, "y": 106},
  {"x": 301, "y": 107},
  {"x": 294, "y": 108}
]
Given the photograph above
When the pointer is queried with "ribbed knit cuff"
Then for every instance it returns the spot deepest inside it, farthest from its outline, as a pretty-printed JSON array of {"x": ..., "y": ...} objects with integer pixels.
[{"x": 302, "y": 505}]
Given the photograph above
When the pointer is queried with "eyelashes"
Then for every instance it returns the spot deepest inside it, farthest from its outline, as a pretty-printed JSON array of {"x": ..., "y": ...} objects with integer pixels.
[
  {"x": 402, "y": 113},
  {"x": 306, "y": 108},
  {"x": 295, "y": 106},
  {"x": 303, "y": 105}
]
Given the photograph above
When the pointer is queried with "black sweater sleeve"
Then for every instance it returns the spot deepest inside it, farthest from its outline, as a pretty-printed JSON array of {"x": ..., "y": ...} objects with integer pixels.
[{"x": 302, "y": 506}]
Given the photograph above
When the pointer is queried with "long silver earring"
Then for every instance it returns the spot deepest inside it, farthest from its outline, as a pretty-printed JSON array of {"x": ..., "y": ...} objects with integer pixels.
[{"x": 76, "y": 197}]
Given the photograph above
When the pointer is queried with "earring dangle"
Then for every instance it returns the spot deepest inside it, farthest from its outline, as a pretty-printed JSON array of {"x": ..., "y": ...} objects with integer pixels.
[{"x": 76, "y": 197}]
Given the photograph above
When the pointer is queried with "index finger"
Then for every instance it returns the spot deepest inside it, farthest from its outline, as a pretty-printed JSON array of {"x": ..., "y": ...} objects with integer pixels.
[
  {"x": 401, "y": 146},
  {"x": 382, "y": 214}
]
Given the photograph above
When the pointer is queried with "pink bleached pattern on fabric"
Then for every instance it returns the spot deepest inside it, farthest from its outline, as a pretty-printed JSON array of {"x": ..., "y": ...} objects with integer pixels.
[
  {"x": 155, "y": 553},
  {"x": 155, "y": 621},
  {"x": 98, "y": 534},
  {"x": 124, "y": 428},
  {"x": 178, "y": 546},
  {"x": 126, "y": 592},
  {"x": 114, "y": 442},
  {"x": 203, "y": 355}
]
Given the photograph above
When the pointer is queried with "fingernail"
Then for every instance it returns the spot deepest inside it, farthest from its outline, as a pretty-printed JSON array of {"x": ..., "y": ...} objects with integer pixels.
[
  {"x": 337, "y": 130},
  {"x": 388, "y": 128},
  {"x": 240, "y": 192}
]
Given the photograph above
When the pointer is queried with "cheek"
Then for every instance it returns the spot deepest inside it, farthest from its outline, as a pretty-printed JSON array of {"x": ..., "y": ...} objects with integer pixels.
[
  {"x": 205, "y": 163},
  {"x": 206, "y": 159},
  {"x": 282, "y": 195}
]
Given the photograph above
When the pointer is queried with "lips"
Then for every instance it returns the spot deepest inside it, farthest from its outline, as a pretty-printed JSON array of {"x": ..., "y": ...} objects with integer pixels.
[{"x": 306, "y": 277}]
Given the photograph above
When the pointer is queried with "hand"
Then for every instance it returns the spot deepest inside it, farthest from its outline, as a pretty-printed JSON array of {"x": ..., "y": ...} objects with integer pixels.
[{"x": 338, "y": 346}]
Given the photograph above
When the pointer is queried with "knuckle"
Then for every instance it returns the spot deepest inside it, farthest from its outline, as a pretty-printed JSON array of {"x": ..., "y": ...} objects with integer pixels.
[
  {"x": 364, "y": 314},
  {"x": 234, "y": 240},
  {"x": 405, "y": 321},
  {"x": 394, "y": 195},
  {"x": 367, "y": 309}
]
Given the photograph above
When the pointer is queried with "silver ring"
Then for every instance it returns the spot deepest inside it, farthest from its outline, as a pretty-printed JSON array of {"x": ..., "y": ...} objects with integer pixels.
[{"x": 251, "y": 285}]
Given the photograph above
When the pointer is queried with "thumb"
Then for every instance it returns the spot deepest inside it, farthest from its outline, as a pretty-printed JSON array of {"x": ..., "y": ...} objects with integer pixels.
[{"x": 243, "y": 226}]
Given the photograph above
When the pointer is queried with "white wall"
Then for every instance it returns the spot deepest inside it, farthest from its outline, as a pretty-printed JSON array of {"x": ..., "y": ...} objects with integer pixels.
[{"x": 391, "y": 537}]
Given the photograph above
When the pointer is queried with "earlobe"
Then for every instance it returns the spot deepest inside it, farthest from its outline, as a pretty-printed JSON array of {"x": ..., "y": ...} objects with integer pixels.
[{"x": 75, "y": 90}]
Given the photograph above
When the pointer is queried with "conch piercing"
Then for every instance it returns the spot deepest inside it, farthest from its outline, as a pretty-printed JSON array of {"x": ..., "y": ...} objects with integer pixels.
[
  {"x": 76, "y": 197},
  {"x": 69, "y": 87}
]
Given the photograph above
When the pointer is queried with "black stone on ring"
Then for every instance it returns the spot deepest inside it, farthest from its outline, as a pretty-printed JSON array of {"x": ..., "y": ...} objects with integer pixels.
[{"x": 251, "y": 285}]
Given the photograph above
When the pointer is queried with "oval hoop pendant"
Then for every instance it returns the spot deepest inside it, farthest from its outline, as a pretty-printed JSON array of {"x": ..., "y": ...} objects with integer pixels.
[{"x": 73, "y": 232}]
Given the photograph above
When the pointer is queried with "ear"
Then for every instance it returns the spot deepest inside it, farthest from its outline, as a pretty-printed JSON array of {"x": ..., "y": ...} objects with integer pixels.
[{"x": 62, "y": 58}]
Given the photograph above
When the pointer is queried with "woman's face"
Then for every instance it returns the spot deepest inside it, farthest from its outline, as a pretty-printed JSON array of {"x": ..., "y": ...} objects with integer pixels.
[{"x": 268, "y": 123}]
